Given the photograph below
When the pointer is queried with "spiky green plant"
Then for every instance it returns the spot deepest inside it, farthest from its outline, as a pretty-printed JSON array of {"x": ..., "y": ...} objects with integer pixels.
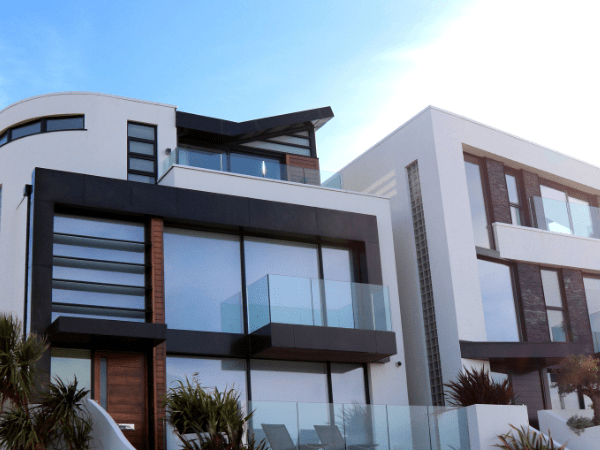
[
  {"x": 527, "y": 440},
  {"x": 476, "y": 387},
  {"x": 213, "y": 418}
]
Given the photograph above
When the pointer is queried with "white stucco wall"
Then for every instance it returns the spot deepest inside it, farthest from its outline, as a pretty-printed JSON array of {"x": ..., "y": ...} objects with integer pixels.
[
  {"x": 101, "y": 150},
  {"x": 388, "y": 381}
]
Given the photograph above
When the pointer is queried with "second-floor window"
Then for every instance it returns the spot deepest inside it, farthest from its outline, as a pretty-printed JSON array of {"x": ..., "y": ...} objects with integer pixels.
[
  {"x": 514, "y": 199},
  {"x": 479, "y": 215},
  {"x": 565, "y": 214},
  {"x": 592, "y": 296},
  {"x": 141, "y": 153},
  {"x": 555, "y": 308}
]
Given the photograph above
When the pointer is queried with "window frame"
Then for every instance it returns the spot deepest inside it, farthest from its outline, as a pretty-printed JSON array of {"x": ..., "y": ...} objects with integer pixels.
[
  {"x": 43, "y": 127},
  {"x": 153, "y": 158},
  {"x": 521, "y": 207},
  {"x": 487, "y": 199},
  {"x": 563, "y": 309}
]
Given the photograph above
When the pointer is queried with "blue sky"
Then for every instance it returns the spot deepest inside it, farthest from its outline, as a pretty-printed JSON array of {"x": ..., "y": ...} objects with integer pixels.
[{"x": 528, "y": 68}]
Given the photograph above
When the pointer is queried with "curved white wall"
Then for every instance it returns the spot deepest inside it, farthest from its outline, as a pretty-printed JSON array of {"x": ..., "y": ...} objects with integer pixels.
[{"x": 99, "y": 150}]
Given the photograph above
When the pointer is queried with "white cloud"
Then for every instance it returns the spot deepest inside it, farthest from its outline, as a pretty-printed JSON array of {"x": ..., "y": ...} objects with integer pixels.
[{"x": 526, "y": 67}]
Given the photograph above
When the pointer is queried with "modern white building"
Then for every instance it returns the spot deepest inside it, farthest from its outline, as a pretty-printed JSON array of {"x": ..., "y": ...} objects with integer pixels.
[
  {"x": 497, "y": 242},
  {"x": 150, "y": 244}
]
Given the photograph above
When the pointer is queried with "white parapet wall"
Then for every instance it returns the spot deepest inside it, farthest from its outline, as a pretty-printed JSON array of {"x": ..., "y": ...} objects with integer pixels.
[
  {"x": 556, "y": 422},
  {"x": 487, "y": 422},
  {"x": 106, "y": 434}
]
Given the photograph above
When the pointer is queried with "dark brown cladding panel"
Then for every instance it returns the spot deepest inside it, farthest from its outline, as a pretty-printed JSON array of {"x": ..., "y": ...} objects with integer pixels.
[
  {"x": 528, "y": 391},
  {"x": 534, "y": 306},
  {"x": 577, "y": 308},
  {"x": 500, "y": 207}
]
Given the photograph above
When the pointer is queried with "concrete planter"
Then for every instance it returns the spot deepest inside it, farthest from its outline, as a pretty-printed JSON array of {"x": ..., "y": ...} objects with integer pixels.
[
  {"x": 486, "y": 422},
  {"x": 556, "y": 422}
]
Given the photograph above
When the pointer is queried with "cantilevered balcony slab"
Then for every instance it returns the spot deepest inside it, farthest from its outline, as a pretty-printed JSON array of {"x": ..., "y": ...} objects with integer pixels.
[
  {"x": 314, "y": 343},
  {"x": 106, "y": 334},
  {"x": 521, "y": 356}
]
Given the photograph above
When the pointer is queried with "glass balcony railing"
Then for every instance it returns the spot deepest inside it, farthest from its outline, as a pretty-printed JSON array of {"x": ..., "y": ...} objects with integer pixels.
[
  {"x": 565, "y": 217},
  {"x": 305, "y": 301},
  {"x": 354, "y": 426},
  {"x": 257, "y": 166},
  {"x": 596, "y": 338}
]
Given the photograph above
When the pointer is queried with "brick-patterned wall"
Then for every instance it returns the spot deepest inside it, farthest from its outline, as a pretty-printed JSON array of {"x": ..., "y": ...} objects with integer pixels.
[
  {"x": 500, "y": 207},
  {"x": 531, "y": 184},
  {"x": 159, "y": 353},
  {"x": 577, "y": 306},
  {"x": 534, "y": 306}
]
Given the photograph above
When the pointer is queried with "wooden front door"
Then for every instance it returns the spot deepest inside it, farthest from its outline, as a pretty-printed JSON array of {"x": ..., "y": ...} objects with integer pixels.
[{"x": 120, "y": 387}]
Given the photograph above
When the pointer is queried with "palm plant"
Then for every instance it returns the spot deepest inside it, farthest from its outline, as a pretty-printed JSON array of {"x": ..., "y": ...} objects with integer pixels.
[
  {"x": 214, "y": 419},
  {"x": 474, "y": 387},
  {"x": 527, "y": 440},
  {"x": 57, "y": 420}
]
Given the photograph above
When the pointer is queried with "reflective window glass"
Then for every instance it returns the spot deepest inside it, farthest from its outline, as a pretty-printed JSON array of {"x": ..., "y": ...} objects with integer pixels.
[
  {"x": 477, "y": 201},
  {"x": 348, "y": 383},
  {"x": 67, "y": 364},
  {"x": 67, "y": 123},
  {"x": 592, "y": 295},
  {"x": 564, "y": 401},
  {"x": 513, "y": 191},
  {"x": 551, "y": 286},
  {"x": 516, "y": 215},
  {"x": 288, "y": 381},
  {"x": 140, "y": 131},
  {"x": 203, "y": 287},
  {"x": 141, "y": 178},
  {"x": 204, "y": 159},
  {"x": 581, "y": 217},
  {"x": 555, "y": 210},
  {"x": 257, "y": 166},
  {"x": 142, "y": 148},
  {"x": 96, "y": 227},
  {"x": 26, "y": 130},
  {"x": 337, "y": 266},
  {"x": 498, "y": 299},
  {"x": 145, "y": 165},
  {"x": 4, "y": 138},
  {"x": 556, "y": 323}
]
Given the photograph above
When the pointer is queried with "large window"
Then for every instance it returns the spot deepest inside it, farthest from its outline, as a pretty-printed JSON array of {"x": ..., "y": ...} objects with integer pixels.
[
  {"x": 68, "y": 364},
  {"x": 43, "y": 125},
  {"x": 554, "y": 305},
  {"x": 497, "y": 294},
  {"x": 566, "y": 214},
  {"x": 479, "y": 217},
  {"x": 98, "y": 269},
  {"x": 592, "y": 295},
  {"x": 203, "y": 287},
  {"x": 348, "y": 383},
  {"x": 141, "y": 152}
]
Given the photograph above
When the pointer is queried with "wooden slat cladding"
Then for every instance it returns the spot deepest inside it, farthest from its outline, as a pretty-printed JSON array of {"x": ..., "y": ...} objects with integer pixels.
[
  {"x": 159, "y": 353},
  {"x": 529, "y": 392},
  {"x": 127, "y": 389},
  {"x": 302, "y": 169}
]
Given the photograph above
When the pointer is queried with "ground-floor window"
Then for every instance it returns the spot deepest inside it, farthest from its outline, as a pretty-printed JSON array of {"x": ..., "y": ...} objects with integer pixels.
[
  {"x": 572, "y": 401},
  {"x": 70, "y": 363}
]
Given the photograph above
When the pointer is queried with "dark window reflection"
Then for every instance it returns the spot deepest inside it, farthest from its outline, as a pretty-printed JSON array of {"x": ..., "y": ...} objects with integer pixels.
[
  {"x": 498, "y": 302},
  {"x": 478, "y": 213},
  {"x": 256, "y": 166}
]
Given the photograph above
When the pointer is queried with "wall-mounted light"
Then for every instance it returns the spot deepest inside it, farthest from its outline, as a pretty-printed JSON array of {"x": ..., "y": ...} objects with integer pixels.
[
  {"x": 399, "y": 363},
  {"x": 168, "y": 151}
]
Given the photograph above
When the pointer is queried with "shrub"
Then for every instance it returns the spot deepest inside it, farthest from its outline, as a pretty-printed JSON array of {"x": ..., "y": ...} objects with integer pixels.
[
  {"x": 214, "y": 418},
  {"x": 474, "y": 387},
  {"x": 527, "y": 440},
  {"x": 578, "y": 424}
]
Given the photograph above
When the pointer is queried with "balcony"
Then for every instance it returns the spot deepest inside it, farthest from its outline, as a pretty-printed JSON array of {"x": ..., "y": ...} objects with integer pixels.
[
  {"x": 361, "y": 427},
  {"x": 324, "y": 319},
  {"x": 250, "y": 165},
  {"x": 572, "y": 217}
]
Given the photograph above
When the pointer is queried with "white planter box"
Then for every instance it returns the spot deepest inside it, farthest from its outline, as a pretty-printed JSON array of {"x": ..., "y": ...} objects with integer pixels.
[
  {"x": 487, "y": 422},
  {"x": 556, "y": 422}
]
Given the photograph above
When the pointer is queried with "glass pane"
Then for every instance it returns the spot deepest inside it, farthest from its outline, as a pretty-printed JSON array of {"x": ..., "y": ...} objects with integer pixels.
[
  {"x": 98, "y": 276},
  {"x": 69, "y": 123},
  {"x": 201, "y": 158},
  {"x": 551, "y": 286},
  {"x": 86, "y": 250},
  {"x": 340, "y": 299},
  {"x": 99, "y": 299},
  {"x": 513, "y": 191},
  {"x": 555, "y": 210},
  {"x": 581, "y": 217},
  {"x": 256, "y": 166},
  {"x": 592, "y": 294},
  {"x": 212, "y": 373},
  {"x": 97, "y": 313},
  {"x": 408, "y": 427},
  {"x": 556, "y": 322},
  {"x": 288, "y": 381},
  {"x": 4, "y": 138},
  {"x": 202, "y": 281},
  {"x": 144, "y": 165},
  {"x": 498, "y": 302},
  {"x": 348, "y": 383},
  {"x": 67, "y": 364},
  {"x": 26, "y": 130},
  {"x": 568, "y": 401},
  {"x": 448, "y": 428},
  {"x": 294, "y": 300},
  {"x": 143, "y": 148},
  {"x": 278, "y": 148},
  {"x": 515, "y": 214},
  {"x": 141, "y": 178},
  {"x": 271, "y": 416},
  {"x": 140, "y": 131},
  {"x": 102, "y": 228},
  {"x": 292, "y": 140},
  {"x": 477, "y": 201}
]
